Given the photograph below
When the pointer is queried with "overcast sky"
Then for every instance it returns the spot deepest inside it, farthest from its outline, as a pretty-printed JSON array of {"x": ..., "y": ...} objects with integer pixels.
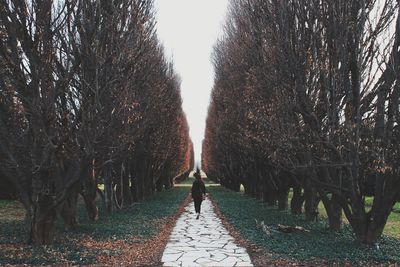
[{"x": 188, "y": 29}]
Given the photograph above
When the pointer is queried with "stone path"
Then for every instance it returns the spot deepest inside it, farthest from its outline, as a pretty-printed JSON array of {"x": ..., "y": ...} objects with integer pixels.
[{"x": 203, "y": 242}]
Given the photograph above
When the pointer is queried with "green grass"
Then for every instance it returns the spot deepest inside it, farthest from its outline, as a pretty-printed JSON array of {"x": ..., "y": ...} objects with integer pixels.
[
  {"x": 141, "y": 221},
  {"x": 5, "y": 203},
  {"x": 320, "y": 244}
]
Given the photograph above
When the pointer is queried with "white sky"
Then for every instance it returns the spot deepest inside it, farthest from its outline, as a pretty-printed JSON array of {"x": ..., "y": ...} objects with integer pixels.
[{"x": 189, "y": 29}]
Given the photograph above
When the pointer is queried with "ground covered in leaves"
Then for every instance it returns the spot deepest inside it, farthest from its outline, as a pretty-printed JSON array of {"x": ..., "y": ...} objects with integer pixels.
[
  {"x": 136, "y": 235},
  {"x": 244, "y": 217}
]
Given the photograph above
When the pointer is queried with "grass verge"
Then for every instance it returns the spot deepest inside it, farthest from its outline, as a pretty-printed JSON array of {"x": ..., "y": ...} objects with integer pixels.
[
  {"x": 132, "y": 236},
  {"x": 392, "y": 227},
  {"x": 319, "y": 246}
]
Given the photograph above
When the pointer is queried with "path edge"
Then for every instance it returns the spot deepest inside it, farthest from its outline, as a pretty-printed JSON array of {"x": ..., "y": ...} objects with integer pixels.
[
  {"x": 257, "y": 255},
  {"x": 170, "y": 226}
]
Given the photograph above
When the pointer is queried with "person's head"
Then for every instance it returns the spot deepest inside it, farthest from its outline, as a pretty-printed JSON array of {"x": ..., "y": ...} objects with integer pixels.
[{"x": 197, "y": 174}]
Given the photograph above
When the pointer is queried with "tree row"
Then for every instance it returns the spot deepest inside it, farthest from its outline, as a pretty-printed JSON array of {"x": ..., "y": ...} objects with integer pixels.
[
  {"x": 87, "y": 97},
  {"x": 306, "y": 100}
]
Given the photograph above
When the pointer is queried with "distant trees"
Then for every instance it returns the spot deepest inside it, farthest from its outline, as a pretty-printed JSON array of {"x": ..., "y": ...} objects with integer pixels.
[
  {"x": 306, "y": 96},
  {"x": 86, "y": 97}
]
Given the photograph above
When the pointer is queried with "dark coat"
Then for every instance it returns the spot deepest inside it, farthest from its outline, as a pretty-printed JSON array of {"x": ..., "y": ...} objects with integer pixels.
[{"x": 198, "y": 189}]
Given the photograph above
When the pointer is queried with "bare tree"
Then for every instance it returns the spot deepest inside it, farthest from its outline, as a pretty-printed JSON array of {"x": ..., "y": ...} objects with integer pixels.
[
  {"x": 318, "y": 80},
  {"x": 81, "y": 84}
]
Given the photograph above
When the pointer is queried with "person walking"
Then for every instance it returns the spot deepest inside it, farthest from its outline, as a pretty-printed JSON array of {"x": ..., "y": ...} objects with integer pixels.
[{"x": 198, "y": 192}]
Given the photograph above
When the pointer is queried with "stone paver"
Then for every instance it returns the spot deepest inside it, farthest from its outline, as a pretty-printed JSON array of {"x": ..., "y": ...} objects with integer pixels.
[{"x": 203, "y": 242}]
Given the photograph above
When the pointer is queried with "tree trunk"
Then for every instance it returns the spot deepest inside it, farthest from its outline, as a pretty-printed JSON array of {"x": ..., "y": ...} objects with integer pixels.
[
  {"x": 369, "y": 226},
  {"x": 247, "y": 189},
  {"x": 236, "y": 186},
  {"x": 69, "y": 209},
  {"x": 283, "y": 199},
  {"x": 334, "y": 212},
  {"x": 265, "y": 191},
  {"x": 108, "y": 193},
  {"x": 149, "y": 186},
  {"x": 168, "y": 183},
  {"x": 297, "y": 200},
  {"x": 89, "y": 194},
  {"x": 271, "y": 197},
  {"x": 258, "y": 188},
  {"x": 118, "y": 195},
  {"x": 160, "y": 184},
  {"x": 90, "y": 190},
  {"x": 126, "y": 190},
  {"x": 374, "y": 232},
  {"x": 44, "y": 217},
  {"x": 311, "y": 203},
  {"x": 133, "y": 188},
  {"x": 133, "y": 180},
  {"x": 140, "y": 186}
]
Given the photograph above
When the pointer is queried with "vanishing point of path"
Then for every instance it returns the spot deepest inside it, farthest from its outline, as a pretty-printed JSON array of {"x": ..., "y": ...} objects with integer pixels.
[{"x": 203, "y": 242}]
